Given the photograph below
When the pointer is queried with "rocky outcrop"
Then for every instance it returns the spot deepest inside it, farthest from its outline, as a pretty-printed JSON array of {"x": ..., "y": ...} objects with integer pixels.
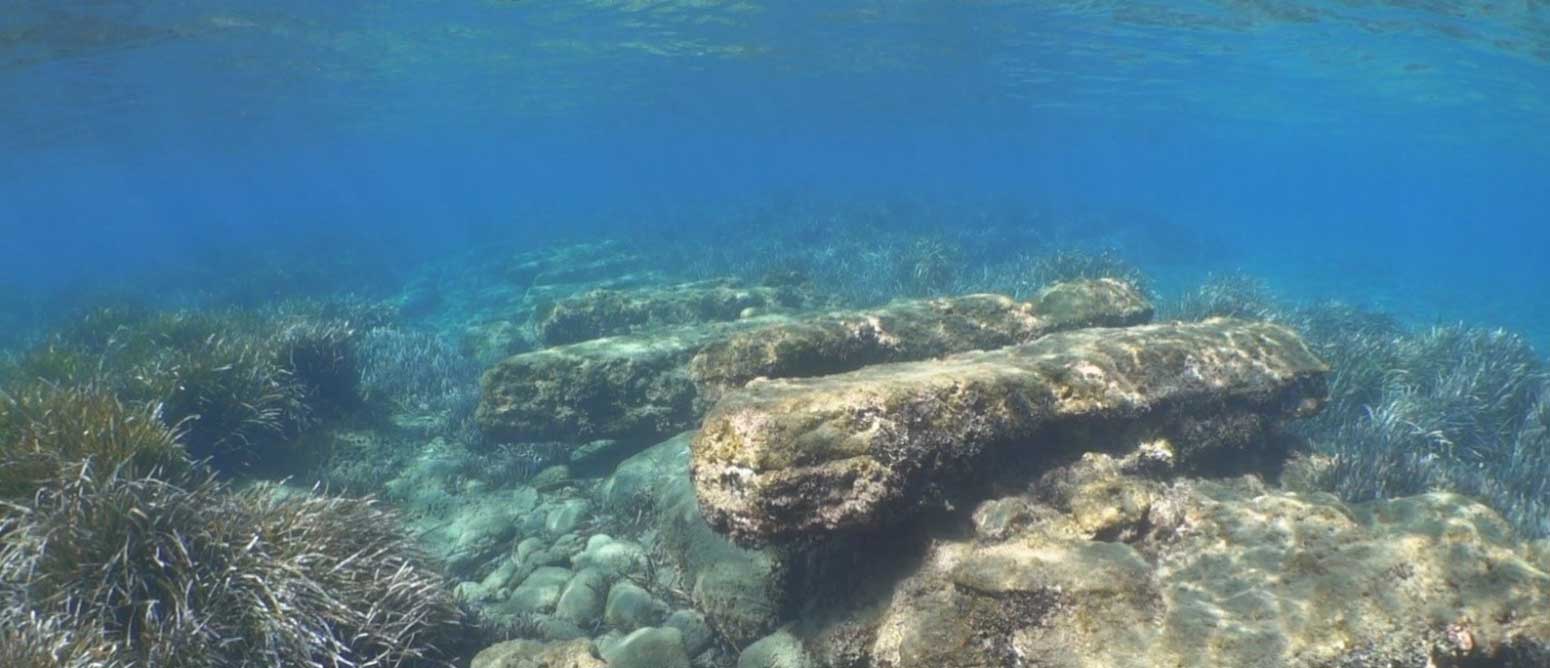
[
  {"x": 912, "y": 330},
  {"x": 784, "y": 459},
  {"x": 1214, "y": 574},
  {"x": 642, "y": 387},
  {"x": 601, "y": 313}
]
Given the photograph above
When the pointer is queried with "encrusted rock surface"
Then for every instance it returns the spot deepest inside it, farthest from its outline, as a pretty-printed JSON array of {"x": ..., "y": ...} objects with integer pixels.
[
  {"x": 911, "y": 330},
  {"x": 622, "y": 387},
  {"x": 645, "y": 386},
  {"x": 789, "y": 458},
  {"x": 601, "y": 313},
  {"x": 1210, "y": 574}
]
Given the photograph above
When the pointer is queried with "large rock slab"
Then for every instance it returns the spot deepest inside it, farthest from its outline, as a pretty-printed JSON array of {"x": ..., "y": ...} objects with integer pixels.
[
  {"x": 646, "y": 386},
  {"x": 632, "y": 387},
  {"x": 1219, "y": 574},
  {"x": 601, "y": 313},
  {"x": 912, "y": 330},
  {"x": 784, "y": 459}
]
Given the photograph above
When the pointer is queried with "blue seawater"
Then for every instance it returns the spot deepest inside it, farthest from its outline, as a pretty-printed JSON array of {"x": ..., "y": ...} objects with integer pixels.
[{"x": 1390, "y": 152}]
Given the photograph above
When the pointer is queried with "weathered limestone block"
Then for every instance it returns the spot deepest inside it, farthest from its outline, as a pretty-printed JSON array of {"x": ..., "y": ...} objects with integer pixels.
[
  {"x": 782, "y": 459},
  {"x": 600, "y": 313},
  {"x": 912, "y": 330},
  {"x": 1224, "y": 574},
  {"x": 640, "y": 387},
  {"x": 623, "y": 387}
]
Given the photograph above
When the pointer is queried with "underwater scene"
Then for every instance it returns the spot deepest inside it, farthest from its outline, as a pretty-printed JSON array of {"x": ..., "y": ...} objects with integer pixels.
[{"x": 775, "y": 334}]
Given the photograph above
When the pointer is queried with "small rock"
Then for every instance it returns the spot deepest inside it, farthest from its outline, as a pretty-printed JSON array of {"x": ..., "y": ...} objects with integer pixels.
[
  {"x": 540, "y": 591},
  {"x": 582, "y": 600},
  {"x": 607, "y": 642},
  {"x": 630, "y": 607},
  {"x": 614, "y": 558},
  {"x": 696, "y": 633},
  {"x": 649, "y": 648},
  {"x": 528, "y": 546},
  {"x": 778, "y": 650},
  {"x": 567, "y": 517},
  {"x": 555, "y": 629}
]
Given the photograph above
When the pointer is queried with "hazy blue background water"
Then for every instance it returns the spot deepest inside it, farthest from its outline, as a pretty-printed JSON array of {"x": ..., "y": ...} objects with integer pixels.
[{"x": 1389, "y": 152}]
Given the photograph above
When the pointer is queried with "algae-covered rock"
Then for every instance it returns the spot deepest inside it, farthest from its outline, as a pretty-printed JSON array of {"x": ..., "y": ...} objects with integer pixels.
[
  {"x": 1225, "y": 574},
  {"x": 782, "y": 459},
  {"x": 601, "y": 313},
  {"x": 910, "y": 330},
  {"x": 647, "y": 385},
  {"x": 625, "y": 387}
]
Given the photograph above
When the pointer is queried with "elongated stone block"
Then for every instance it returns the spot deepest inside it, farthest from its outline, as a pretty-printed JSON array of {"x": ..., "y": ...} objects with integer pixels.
[
  {"x": 912, "y": 330},
  {"x": 600, "y": 313},
  {"x": 647, "y": 385},
  {"x": 622, "y": 387},
  {"x": 783, "y": 459}
]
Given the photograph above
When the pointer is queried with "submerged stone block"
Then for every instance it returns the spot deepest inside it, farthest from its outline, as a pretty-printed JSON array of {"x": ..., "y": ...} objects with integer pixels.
[
  {"x": 781, "y": 459},
  {"x": 623, "y": 387},
  {"x": 643, "y": 386},
  {"x": 601, "y": 313},
  {"x": 912, "y": 330}
]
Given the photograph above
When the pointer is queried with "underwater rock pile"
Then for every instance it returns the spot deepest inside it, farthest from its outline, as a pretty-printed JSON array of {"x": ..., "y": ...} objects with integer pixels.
[{"x": 969, "y": 482}]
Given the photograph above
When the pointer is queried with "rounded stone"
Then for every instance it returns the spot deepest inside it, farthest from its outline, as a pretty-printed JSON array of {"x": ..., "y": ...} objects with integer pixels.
[
  {"x": 614, "y": 558},
  {"x": 777, "y": 650},
  {"x": 631, "y": 607},
  {"x": 649, "y": 648},
  {"x": 696, "y": 633},
  {"x": 540, "y": 591},
  {"x": 582, "y": 600}
]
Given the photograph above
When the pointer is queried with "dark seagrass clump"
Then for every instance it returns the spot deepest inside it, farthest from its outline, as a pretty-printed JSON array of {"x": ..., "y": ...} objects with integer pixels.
[
  {"x": 30, "y": 640},
  {"x": 201, "y": 576},
  {"x": 48, "y": 433}
]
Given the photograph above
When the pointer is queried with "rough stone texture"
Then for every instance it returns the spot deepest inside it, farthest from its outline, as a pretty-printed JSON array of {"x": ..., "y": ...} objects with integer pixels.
[
  {"x": 789, "y": 458},
  {"x": 740, "y": 591},
  {"x": 912, "y": 330},
  {"x": 624, "y": 387},
  {"x": 600, "y": 313},
  {"x": 646, "y": 386},
  {"x": 1213, "y": 574},
  {"x": 533, "y": 654}
]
